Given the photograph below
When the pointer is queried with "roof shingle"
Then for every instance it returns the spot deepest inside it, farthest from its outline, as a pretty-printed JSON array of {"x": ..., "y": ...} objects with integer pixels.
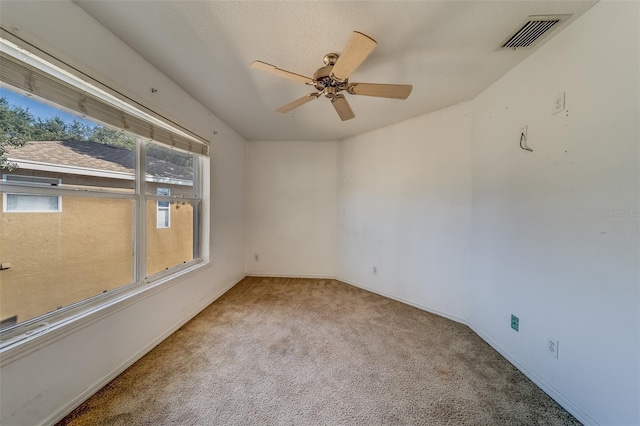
[{"x": 94, "y": 155}]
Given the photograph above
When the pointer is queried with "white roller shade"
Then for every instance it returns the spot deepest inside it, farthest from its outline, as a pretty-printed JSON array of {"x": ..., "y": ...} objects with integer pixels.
[{"x": 33, "y": 80}]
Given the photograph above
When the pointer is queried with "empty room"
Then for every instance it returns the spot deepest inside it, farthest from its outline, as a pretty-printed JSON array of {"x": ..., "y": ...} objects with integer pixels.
[{"x": 320, "y": 212}]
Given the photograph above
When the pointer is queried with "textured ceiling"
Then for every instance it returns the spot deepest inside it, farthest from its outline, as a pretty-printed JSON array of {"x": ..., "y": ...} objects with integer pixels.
[{"x": 448, "y": 50}]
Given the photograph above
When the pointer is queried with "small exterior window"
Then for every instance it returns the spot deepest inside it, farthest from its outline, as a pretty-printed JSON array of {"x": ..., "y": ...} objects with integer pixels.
[
  {"x": 30, "y": 203},
  {"x": 164, "y": 210}
]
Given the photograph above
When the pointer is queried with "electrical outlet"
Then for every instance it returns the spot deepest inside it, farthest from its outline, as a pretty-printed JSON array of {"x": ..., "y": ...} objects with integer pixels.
[
  {"x": 552, "y": 346},
  {"x": 256, "y": 258},
  {"x": 515, "y": 322},
  {"x": 558, "y": 103},
  {"x": 375, "y": 270}
]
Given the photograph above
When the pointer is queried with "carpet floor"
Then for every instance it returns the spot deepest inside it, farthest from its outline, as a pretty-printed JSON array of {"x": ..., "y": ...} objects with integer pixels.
[{"x": 283, "y": 351}]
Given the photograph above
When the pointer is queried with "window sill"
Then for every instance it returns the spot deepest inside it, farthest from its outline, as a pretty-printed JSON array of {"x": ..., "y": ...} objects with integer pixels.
[{"x": 58, "y": 328}]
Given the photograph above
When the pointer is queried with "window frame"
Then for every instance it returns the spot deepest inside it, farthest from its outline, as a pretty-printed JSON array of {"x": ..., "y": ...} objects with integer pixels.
[
  {"x": 29, "y": 335},
  {"x": 5, "y": 202},
  {"x": 14, "y": 336}
]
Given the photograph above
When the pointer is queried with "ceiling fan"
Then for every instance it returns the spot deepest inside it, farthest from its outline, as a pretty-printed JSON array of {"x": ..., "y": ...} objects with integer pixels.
[{"x": 333, "y": 78}]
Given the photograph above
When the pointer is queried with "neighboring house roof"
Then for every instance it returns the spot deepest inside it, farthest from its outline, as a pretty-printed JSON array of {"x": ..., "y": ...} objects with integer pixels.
[{"x": 93, "y": 156}]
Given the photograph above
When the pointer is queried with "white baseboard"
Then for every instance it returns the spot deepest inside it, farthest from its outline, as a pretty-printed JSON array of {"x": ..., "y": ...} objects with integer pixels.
[
  {"x": 583, "y": 417},
  {"x": 405, "y": 301},
  {"x": 546, "y": 387},
  {"x": 68, "y": 408},
  {"x": 270, "y": 275}
]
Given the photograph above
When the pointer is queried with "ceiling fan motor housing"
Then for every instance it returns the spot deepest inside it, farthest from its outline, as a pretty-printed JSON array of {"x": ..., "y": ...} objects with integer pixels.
[{"x": 322, "y": 78}]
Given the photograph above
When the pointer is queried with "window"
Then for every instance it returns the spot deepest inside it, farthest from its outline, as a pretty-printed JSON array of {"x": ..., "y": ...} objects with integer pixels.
[
  {"x": 117, "y": 183},
  {"x": 164, "y": 213},
  {"x": 29, "y": 203},
  {"x": 171, "y": 185}
]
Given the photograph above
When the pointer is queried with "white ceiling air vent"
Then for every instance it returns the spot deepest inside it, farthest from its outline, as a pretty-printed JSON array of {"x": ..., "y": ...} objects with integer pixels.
[{"x": 532, "y": 30}]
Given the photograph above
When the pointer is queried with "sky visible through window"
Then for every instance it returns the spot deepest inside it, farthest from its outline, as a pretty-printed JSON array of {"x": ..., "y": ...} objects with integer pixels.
[
  {"x": 44, "y": 122},
  {"x": 39, "y": 109}
]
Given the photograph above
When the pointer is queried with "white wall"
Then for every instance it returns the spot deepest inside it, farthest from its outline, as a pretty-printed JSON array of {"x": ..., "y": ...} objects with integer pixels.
[
  {"x": 454, "y": 215},
  {"x": 404, "y": 203},
  {"x": 543, "y": 247},
  {"x": 43, "y": 385},
  {"x": 291, "y": 208},
  {"x": 459, "y": 220}
]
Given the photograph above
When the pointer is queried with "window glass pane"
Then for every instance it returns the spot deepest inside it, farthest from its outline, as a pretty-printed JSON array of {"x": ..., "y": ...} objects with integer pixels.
[
  {"x": 60, "y": 259},
  {"x": 168, "y": 171},
  {"x": 49, "y": 142},
  {"x": 171, "y": 245}
]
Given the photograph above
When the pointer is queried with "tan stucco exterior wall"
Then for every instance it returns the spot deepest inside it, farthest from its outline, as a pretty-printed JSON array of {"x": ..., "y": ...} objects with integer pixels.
[
  {"x": 62, "y": 258},
  {"x": 169, "y": 247}
]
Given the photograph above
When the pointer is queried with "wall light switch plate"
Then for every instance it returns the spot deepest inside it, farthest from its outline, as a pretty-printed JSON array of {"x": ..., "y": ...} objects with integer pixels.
[{"x": 558, "y": 103}]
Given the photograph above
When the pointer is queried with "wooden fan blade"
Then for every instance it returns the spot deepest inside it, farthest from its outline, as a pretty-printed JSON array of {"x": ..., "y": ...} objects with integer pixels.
[
  {"x": 393, "y": 91},
  {"x": 358, "y": 48},
  {"x": 295, "y": 104},
  {"x": 342, "y": 107},
  {"x": 263, "y": 66}
]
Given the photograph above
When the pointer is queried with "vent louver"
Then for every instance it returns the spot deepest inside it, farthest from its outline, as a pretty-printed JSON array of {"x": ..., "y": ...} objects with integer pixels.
[{"x": 532, "y": 31}]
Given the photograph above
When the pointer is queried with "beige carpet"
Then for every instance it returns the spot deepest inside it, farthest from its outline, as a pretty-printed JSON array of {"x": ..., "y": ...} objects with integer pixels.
[{"x": 307, "y": 352}]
